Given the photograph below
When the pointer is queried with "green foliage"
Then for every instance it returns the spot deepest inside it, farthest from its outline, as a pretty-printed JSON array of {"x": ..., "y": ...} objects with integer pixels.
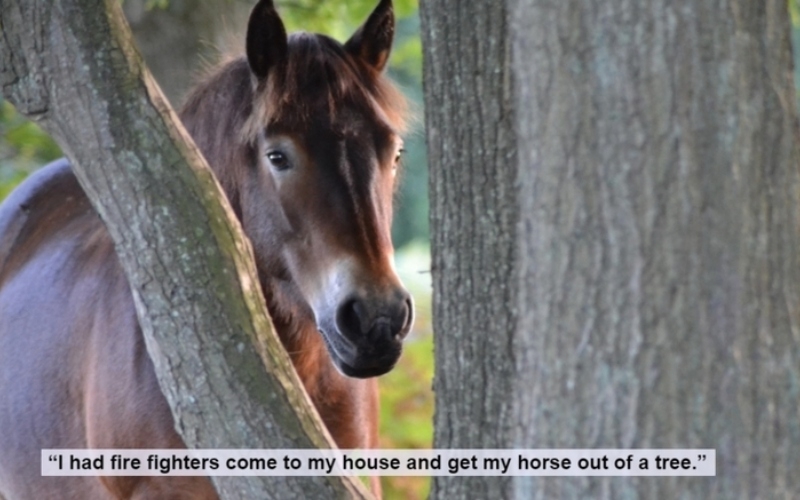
[
  {"x": 794, "y": 12},
  {"x": 407, "y": 413},
  {"x": 405, "y": 69},
  {"x": 336, "y": 19},
  {"x": 407, "y": 57},
  {"x": 156, "y": 4},
  {"x": 406, "y": 395},
  {"x": 23, "y": 148}
]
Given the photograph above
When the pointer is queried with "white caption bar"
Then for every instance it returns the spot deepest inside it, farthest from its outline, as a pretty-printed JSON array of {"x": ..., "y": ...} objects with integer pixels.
[{"x": 612, "y": 462}]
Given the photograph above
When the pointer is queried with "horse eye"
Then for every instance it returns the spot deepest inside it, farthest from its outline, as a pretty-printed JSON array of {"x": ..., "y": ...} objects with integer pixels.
[
  {"x": 278, "y": 160},
  {"x": 399, "y": 156}
]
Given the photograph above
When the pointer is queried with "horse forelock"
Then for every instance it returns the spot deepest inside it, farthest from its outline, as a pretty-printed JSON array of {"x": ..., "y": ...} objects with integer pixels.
[
  {"x": 226, "y": 112},
  {"x": 319, "y": 79}
]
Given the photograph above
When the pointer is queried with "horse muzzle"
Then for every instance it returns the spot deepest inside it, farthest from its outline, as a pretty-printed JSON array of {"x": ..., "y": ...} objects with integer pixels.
[{"x": 367, "y": 339}]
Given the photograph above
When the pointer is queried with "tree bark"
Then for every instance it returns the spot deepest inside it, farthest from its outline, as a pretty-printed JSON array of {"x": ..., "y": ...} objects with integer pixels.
[
  {"x": 72, "y": 66},
  {"x": 653, "y": 270},
  {"x": 472, "y": 161}
]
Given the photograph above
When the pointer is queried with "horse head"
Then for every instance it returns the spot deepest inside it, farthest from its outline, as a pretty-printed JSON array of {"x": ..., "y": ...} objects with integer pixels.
[{"x": 325, "y": 129}]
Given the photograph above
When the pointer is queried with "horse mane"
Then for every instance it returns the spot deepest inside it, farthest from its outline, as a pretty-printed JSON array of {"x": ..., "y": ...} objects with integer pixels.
[
  {"x": 319, "y": 74},
  {"x": 214, "y": 113}
]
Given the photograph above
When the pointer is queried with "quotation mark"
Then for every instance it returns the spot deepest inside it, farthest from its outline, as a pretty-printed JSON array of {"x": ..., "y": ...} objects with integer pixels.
[{"x": 700, "y": 458}]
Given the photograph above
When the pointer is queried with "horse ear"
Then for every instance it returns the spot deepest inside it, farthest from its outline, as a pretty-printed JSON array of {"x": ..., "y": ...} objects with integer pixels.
[
  {"x": 372, "y": 42},
  {"x": 267, "y": 44}
]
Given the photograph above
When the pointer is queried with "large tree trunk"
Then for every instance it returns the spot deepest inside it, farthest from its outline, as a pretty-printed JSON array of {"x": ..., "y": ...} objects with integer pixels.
[
  {"x": 72, "y": 66},
  {"x": 653, "y": 272}
]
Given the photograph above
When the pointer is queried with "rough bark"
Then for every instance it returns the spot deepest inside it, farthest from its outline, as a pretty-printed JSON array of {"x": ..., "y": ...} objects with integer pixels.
[
  {"x": 472, "y": 161},
  {"x": 72, "y": 66},
  {"x": 654, "y": 268}
]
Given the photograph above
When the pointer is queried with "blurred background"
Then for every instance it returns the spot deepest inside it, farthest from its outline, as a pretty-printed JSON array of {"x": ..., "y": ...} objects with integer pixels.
[{"x": 180, "y": 40}]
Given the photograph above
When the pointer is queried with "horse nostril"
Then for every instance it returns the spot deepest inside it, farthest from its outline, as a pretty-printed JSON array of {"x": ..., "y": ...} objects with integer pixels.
[
  {"x": 351, "y": 319},
  {"x": 358, "y": 319},
  {"x": 408, "y": 319}
]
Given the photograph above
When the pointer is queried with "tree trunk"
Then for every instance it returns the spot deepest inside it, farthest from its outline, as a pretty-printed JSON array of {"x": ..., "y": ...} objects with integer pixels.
[
  {"x": 653, "y": 277},
  {"x": 472, "y": 160},
  {"x": 72, "y": 66}
]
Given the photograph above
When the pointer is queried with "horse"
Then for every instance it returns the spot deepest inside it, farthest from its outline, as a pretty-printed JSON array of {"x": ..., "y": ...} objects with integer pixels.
[{"x": 304, "y": 135}]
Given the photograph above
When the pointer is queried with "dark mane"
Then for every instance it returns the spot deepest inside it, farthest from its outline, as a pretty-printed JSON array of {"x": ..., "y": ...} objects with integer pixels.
[
  {"x": 215, "y": 114},
  {"x": 319, "y": 75}
]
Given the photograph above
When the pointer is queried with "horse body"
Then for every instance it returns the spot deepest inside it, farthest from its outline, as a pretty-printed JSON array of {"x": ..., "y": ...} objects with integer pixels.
[{"x": 310, "y": 177}]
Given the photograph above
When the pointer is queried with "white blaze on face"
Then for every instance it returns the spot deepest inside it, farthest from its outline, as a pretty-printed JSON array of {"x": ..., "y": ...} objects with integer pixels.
[
  {"x": 334, "y": 284},
  {"x": 331, "y": 284}
]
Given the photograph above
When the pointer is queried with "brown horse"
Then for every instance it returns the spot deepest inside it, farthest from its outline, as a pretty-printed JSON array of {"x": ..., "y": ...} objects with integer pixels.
[{"x": 303, "y": 135}]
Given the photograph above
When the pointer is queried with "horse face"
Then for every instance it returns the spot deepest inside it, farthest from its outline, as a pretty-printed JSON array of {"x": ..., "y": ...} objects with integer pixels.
[{"x": 328, "y": 153}]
